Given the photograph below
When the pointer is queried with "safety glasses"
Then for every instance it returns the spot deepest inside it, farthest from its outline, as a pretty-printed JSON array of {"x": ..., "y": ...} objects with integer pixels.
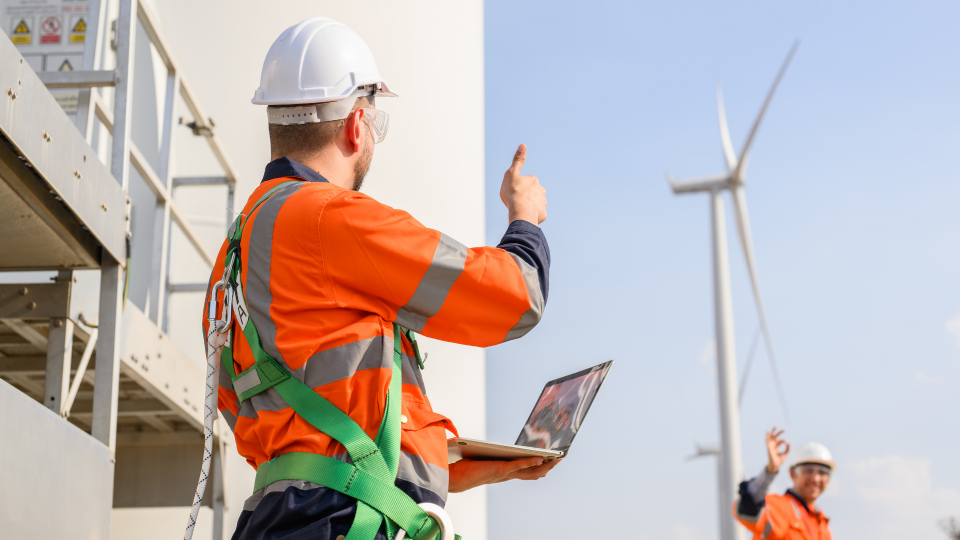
[
  {"x": 379, "y": 121},
  {"x": 811, "y": 469}
]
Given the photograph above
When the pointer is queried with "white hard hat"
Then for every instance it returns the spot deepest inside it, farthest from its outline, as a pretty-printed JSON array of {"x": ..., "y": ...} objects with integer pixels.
[
  {"x": 319, "y": 61},
  {"x": 812, "y": 452}
]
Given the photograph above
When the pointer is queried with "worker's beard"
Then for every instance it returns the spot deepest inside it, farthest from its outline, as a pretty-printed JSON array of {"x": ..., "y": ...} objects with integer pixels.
[{"x": 361, "y": 167}]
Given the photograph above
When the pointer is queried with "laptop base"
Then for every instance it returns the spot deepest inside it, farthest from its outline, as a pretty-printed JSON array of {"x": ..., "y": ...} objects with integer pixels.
[{"x": 461, "y": 448}]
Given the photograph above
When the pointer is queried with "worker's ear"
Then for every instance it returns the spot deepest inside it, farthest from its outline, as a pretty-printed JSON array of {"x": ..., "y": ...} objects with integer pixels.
[{"x": 354, "y": 129}]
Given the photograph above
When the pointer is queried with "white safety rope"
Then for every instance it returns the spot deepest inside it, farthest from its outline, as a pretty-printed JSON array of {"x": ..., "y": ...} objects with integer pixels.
[{"x": 216, "y": 338}]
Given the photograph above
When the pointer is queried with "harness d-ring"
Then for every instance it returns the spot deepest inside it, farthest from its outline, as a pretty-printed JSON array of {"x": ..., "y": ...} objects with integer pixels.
[{"x": 439, "y": 514}]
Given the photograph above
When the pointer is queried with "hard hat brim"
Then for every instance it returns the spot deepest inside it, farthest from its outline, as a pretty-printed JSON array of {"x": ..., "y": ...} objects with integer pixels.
[
  {"x": 824, "y": 462},
  {"x": 382, "y": 91}
]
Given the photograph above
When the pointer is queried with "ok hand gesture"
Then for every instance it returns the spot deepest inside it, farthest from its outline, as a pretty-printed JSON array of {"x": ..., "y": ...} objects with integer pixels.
[{"x": 775, "y": 457}]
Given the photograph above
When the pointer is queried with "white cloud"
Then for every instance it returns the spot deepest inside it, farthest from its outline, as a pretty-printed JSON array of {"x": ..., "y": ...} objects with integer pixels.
[
  {"x": 708, "y": 353},
  {"x": 889, "y": 497},
  {"x": 953, "y": 326},
  {"x": 685, "y": 532}
]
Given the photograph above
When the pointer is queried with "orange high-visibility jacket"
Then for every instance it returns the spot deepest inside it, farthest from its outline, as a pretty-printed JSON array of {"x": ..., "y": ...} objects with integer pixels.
[
  {"x": 326, "y": 271},
  {"x": 783, "y": 517}
]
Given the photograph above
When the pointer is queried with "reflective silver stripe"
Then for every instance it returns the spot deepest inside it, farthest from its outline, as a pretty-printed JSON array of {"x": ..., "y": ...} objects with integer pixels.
[
  {"x": 426, "y": 475},
  {"x": 344, "y": 457},
  {"x": 748, "y": 519},
  {"x": 796, "y": 510},
  {"x": 531, "y": 317},
  {"x": 325, "y": 367},
  {"x": 412, "y": 469},
  {"x": 280, "y": 485},
  {"x": 268, "y": 400},
  {"x": 247, "y": 410},
  {"x": 411, "y": 372},
  {"x": 767, "y": 529},
  {"x": 246, "y": 381},
  {"x": 447, "y": 265},
  {"x": 339, "y": 363},
  {"x": 257, "y": 286},
  {"x": 229, "y": 418},
  {"x": 224, "y": 377}
]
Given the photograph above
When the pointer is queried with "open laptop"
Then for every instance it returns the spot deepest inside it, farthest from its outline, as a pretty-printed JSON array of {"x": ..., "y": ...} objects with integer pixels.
[{"x": 552, "y": 425}]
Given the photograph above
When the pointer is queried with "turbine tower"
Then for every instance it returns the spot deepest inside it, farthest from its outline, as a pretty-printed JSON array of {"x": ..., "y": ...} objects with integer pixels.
[{"x": 730, "y": 469}]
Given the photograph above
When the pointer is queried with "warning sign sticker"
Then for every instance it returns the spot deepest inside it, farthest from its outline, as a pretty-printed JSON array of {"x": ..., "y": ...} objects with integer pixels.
[
  {"x": 50, "y": 30},
  {"x": 78, "y": 31},
  {"x": 65, "y": 66},
  {"x": 48, "y": 27},
  {"x": 21, "y": 31}
]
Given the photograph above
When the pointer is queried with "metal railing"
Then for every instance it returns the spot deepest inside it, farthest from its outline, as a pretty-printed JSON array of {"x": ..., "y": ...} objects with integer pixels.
[{"x": 125, "y": 153}]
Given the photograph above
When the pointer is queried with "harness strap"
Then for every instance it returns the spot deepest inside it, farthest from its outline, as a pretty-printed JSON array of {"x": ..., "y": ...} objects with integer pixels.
[
  {"x": 354, "y": 482},
  {"x": 370, "y": 479}
]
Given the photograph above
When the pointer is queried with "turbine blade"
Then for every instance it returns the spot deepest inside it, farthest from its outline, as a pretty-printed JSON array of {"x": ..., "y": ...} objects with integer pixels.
[
  {"x": 743, "y": 228},
  {"x": 728, "y": 152},
  {"x": 745, "y": 153}
]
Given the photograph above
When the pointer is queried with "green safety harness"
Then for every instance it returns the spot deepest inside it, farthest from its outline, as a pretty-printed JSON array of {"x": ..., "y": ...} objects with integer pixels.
[{"x": 370, "y": 479}]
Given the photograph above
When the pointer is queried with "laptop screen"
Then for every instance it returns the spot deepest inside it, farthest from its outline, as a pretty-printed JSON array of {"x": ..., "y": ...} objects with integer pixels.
[{"x": 560, "y": 411}]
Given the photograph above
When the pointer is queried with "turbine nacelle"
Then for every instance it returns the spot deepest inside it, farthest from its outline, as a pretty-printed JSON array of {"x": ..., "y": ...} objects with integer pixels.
[
  {"x": 714, "y": 182},
  {"x": 733, "y": 180}
]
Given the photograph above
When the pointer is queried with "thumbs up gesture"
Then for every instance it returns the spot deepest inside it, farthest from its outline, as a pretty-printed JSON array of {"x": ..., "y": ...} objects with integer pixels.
[{"x": 523, "y": 195}]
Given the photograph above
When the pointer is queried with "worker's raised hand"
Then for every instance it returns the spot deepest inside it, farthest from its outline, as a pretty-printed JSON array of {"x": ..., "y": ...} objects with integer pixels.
[
  {"x": 523, "y": 195},
  {"x": 776, "y": 457},
  {"x": 468, "y": 473}
]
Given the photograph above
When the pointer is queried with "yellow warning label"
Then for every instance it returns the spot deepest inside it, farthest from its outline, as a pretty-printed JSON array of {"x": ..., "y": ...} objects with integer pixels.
[
  {"x": 81, "y": 26},
  {"x": 21, "y": 33},
  {"x": 65, "y": 66},
  {"x": 77, "y": 38}
]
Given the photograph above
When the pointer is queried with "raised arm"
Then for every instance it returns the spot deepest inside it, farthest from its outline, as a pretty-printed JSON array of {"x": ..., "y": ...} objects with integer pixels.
[
  {"x": 379, "y": 259},
  {"x": 748, "y": 508}
]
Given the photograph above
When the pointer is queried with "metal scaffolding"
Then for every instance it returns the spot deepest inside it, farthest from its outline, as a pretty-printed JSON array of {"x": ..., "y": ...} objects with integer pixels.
[{"x": 106, "y": 368}]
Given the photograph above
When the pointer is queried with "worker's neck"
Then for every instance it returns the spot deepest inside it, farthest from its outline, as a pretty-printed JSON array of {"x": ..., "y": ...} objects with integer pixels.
[
  {"x": 811, "y": 503},
  {"x": 329, "y": 163}
]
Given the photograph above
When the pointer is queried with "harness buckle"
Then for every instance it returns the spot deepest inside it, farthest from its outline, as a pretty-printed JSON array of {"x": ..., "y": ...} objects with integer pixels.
[{"x": 440, "y": 516}]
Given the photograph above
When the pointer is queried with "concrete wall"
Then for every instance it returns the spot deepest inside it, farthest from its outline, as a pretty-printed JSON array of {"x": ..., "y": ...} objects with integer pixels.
[{"x": 431, "y": 164}]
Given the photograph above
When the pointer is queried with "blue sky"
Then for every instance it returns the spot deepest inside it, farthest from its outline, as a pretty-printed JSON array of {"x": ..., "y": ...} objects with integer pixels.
[{"x": 853, "y": 191}]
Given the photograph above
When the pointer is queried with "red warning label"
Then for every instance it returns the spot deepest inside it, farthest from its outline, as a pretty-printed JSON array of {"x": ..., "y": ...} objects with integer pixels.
[{"x": 50, "y": 30}]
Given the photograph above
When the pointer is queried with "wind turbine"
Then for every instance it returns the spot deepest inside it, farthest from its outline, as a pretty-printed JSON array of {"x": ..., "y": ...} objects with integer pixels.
[{"x": 730, "y": 468}]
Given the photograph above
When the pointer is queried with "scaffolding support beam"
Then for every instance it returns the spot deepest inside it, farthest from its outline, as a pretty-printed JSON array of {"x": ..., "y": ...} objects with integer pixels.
[
  {"x": 78, "y": 79},
  {"x": 107, "y": 377}
]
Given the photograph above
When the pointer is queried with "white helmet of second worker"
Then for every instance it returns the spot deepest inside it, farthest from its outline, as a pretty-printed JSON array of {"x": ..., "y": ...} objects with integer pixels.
[
  {"x": 812, "y": 452},
  {"x": 320, "y": 63}
]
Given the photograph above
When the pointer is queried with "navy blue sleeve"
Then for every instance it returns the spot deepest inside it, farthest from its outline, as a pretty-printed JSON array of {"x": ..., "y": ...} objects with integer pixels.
[
  {"x": 526, "y": 240},
  {"x": 748, "y": 505}
]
